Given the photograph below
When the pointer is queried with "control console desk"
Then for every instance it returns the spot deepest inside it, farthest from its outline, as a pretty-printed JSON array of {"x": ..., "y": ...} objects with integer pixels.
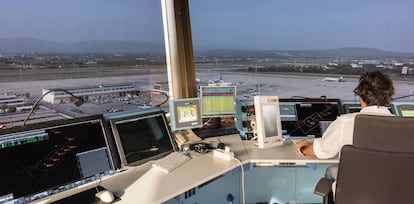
[
  {"x": 283, "y": 155},
  {"x": 145, "y": 184},
  {"x": 154, "y": 186}
]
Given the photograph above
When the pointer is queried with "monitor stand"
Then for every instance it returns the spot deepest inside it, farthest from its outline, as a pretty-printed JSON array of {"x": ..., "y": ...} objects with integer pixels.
[
  {"x": 215, "y": 122},
  {"x": 216, "y": 129}
]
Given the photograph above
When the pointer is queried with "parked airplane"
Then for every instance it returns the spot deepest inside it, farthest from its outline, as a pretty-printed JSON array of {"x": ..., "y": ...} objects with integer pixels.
[
  {"x": 332, "y": 79},
  {"x": 221, "y": 82}
]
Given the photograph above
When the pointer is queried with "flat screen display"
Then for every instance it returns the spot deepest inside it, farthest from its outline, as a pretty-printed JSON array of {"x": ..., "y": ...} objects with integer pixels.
[
  {"x": 268, "y": 123},
  {"x": 218, "y": 100},
  {"x": 405, "y": 110},
  {"x": 44, "y": 159},
  {"x": 356, "y": 107},
  {"x": 185, "y": 114},
  {"x": 269, "y": 120},
  {"x": 142, "y": 137},
  {"x": 307, "y": 118},
  {"x": 407, "y": 113}
]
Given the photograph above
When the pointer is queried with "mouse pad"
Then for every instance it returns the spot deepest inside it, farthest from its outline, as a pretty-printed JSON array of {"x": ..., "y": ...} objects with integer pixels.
[{"x": 85, "y": 197}]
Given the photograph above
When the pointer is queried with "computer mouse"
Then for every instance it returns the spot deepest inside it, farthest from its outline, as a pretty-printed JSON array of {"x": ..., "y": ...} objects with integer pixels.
[{"x": 105, "y": 196}]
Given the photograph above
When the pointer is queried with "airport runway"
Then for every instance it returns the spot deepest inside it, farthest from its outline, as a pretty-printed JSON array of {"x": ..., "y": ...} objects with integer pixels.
[
  {"x": 35, "y": 87},
  {"x": 286, "y": 86},
  {"x": 282, "y": 85},
  {"x": 249, "y": 84}
]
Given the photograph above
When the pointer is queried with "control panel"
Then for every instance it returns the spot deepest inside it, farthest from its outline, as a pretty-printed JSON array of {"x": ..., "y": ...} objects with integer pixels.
[{"x": 245, "y": 115}]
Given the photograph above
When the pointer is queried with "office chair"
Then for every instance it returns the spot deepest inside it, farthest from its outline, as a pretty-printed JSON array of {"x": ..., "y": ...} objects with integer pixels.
[{"x": 379, "y": 166}]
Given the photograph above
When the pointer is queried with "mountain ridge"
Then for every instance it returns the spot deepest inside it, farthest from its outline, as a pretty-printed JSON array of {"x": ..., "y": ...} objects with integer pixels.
[
  {"x": 347, "y": 52},
  {"x": 33, "y": 45}
]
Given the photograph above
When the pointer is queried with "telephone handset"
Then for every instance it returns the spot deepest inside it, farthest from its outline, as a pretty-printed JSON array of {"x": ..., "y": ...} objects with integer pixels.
[{"x": 186, "y": 137}]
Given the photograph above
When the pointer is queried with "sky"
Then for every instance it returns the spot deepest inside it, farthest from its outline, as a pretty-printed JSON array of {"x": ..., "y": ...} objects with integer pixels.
[
  {"x": 80, "y": 20},
  {"x": 241, "y": 24},
  {"x": 304, "y": 24}
]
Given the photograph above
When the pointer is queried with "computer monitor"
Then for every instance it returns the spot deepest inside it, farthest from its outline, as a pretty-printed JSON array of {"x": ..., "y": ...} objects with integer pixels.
[
  {"x": 39, "y": 160},
  {"x": 354, "y": 107},
  {"x": 218, "y": 100},
  {"x": 141, "y": 136},
  {"x": 268, "y": 124},
  {"x": 405, "y": 110},
  {"x": 185, "y": 114},
  {"x": 307, "y": 118}
]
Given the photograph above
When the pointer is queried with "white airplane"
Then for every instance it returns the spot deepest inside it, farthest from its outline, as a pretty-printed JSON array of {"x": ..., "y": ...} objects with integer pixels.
[
  {"x": 332, "y": 79},
  {"x": 221, "y": 82}
]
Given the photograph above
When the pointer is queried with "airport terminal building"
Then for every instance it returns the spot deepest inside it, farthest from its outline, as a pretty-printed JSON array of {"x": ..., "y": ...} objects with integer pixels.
[{"x": 91, "y": 94}]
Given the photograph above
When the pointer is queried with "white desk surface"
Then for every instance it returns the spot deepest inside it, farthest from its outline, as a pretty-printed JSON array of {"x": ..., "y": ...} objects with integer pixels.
[
  {"x": 155, "y": 186},
  {"x": 144, "y": 184},
  {"x": 285, "y": 154}
]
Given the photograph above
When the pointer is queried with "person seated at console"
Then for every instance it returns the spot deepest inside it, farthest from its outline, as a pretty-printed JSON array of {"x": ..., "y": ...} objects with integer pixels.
[{"x": 375, "y": 91}]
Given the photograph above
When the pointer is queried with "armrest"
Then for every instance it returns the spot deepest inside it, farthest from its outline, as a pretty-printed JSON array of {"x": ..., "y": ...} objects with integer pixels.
[{"x": 324, "y": 187}]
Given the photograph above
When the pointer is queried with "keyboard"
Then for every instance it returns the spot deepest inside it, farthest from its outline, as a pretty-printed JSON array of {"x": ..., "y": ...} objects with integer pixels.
[
  {"x": 213, "y": 132},
  {"x": 171, "y": 162}
]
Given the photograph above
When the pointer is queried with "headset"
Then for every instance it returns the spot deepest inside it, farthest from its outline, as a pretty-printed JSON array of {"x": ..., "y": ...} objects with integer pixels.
[
  {"x": 203, "y": 147},
  {"x": 200, "y": 147}
]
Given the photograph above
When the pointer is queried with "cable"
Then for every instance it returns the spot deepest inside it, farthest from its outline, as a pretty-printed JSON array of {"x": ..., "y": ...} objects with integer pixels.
[
  {"x": 205, "y": 123},
  {"x": 155, "y": 91},
  {"x": 402, "y": 97},
  {"x": 242, "y": 180},
  {"x": 97, "y": 184},
  {"x": 78, "y": 101}
]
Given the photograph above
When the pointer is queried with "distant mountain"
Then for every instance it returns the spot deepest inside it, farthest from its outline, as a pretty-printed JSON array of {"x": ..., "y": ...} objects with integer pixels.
[
  {"x": 32, "y": 45},
  {"x": 29, "y": 45},
  {"x": 350, "y": 52},
  {"x": 116, "y": 47}
]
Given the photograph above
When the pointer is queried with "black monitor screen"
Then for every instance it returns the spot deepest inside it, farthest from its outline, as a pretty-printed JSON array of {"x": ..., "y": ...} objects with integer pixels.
[
  {"x": 44, "y": 159},
  {"x": 307, "y": 118},
  {"x": 142, "y": 137}
]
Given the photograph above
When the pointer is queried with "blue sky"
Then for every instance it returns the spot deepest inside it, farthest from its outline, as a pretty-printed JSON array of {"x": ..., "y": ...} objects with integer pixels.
[
  {"x": 256, "y": 24},
  {"x": 304, "y": 24},
  {"x": 78, "y": 20}
]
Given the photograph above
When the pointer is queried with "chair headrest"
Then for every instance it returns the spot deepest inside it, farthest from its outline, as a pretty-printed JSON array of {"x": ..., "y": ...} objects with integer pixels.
[{"x": 385, "y": 133}]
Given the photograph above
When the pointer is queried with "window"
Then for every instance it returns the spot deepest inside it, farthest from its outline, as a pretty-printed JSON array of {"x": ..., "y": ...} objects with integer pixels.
[
  {"x": 302, "y": 48},
  {"x": 90, "y": 48}
]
